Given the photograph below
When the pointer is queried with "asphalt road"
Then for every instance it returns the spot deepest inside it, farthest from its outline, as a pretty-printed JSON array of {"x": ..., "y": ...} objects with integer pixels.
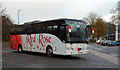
[
  {"x": 12, "y": 59},
  {"x": 0, "y": 55},
  {"x": 110, "y": 50}
]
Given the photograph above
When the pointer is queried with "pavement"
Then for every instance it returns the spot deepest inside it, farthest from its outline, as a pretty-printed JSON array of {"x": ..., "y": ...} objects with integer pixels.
[
  {"x": 109, "y": 50},
  {"x": 105, "y": 56},
  {"x": 95, "y": 59}
]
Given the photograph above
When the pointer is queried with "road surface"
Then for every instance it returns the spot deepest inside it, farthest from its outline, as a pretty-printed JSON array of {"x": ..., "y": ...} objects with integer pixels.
[{"x": 95, "y": 59}]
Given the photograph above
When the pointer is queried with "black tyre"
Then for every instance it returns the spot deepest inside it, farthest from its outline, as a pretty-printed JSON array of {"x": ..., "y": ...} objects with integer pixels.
[
  {"x": 49, "y": 52},
  {"x": 20, "y": 49}
]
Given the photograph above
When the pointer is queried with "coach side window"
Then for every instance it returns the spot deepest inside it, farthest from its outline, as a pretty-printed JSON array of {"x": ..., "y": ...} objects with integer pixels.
[
  {"x": 55, "y": 30},
  {"x": 49, "y": 29},
  {"x": 62, "y": 33}
]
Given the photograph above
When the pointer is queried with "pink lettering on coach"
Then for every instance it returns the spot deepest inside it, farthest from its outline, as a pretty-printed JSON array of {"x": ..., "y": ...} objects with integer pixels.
[
  {"x": 41, "y": 39},
  {"x": 44, "y": 40},
  {"x": 30, "y": 39}
]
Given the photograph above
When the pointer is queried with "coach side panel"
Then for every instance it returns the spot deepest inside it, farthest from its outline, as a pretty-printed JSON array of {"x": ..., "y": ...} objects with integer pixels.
[
  {"x": 16, "y": 40},
  {"x": 38, "y": 43}
]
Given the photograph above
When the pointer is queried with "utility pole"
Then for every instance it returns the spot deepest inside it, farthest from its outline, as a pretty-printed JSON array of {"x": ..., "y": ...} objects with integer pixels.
[
  {"x": 18, "y": 16},
  {"x": 119, "y": 27},
  {"x": 107, "y": 31},
  {"x": 116, "y": 37},
  {"x": 96, "y": 34}
]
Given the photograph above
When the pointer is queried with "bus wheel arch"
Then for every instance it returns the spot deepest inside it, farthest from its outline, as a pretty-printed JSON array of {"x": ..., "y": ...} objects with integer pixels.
[
  {"x": 20, "y": 48},
  {"x": 49, "y": 51}
]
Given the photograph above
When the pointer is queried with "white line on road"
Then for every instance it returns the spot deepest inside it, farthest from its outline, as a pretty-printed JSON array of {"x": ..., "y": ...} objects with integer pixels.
[{"x": 105, "y": 56}]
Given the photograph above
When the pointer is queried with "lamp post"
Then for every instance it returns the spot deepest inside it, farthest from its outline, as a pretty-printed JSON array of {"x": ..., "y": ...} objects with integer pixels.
[
  {"x": 18, "y": 16},
  {"x": 96, "y": 34},
  {"x": 119, "y": 27},
  {"x": 107, "y": 31},
  {"x": 116, "y": 37}
]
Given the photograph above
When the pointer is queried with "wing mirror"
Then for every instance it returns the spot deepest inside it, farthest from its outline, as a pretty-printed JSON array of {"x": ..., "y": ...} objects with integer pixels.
[{"x": 89, "y": 30}]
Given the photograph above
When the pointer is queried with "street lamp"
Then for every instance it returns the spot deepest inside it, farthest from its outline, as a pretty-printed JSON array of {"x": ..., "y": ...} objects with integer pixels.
[
  {"x": 18, "y": 16},
  {"x": 119, "y": 27},
  {"x": 116, "y": 38},
  {"x": 107, "y": 31}
]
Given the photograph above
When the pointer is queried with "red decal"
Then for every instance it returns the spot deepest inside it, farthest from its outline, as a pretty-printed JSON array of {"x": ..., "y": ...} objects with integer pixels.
[
  {"x": 37, "y": 46},
  {"x": 78, "y": 49},
  {"x": 30, "y": 39},
  {"x": 43, "y": 48},
  {"x": 40, "y": 38},
  {"x": 44, "y": 39},
  {"x": 15, "y": 40},
  {"x": 77, "y": 45},
  {"x": 55, "y": 48}
]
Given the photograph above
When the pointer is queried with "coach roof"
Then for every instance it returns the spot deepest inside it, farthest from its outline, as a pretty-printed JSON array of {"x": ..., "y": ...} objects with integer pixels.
[{"x": 53, "y": 20}]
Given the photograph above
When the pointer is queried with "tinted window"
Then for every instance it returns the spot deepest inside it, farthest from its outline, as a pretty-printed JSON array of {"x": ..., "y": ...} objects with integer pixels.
[
  {"x": 39, "y": 28},
  {"x": 62, "y": 33},
  {"x": 52, "y": 30}
]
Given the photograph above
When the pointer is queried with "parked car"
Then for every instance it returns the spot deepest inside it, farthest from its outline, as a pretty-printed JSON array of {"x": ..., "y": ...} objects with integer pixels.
[
  {"x": 115, "y": 43},
  {"x": 98, "y": 41},
  {"x": 106, "y": 42},
  {"x": 101, "y": 42}
]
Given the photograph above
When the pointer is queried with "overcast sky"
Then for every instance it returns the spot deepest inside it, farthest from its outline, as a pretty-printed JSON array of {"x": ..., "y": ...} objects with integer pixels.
[{"x": 52, "y": 9}]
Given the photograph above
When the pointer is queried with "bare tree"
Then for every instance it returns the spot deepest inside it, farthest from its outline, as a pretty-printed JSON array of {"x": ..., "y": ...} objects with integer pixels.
[
  {"x": 115, "y": 18},
  {"x": 6, "y": 23},
  {"x": 2, "y": 13},
  {"x": 2, "y": 9},
  {"x": 91, "y": 18},
  {"x": 116, "y": 13}
]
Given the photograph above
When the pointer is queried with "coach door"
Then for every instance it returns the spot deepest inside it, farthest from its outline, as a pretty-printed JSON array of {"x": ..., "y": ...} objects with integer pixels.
[{"x": 62, "y": 33}]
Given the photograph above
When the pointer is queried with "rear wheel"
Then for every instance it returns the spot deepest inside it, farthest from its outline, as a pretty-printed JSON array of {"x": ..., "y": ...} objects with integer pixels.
[
  {"x": 49, "y": 51},
  {"x": 19, "y": 48}
]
